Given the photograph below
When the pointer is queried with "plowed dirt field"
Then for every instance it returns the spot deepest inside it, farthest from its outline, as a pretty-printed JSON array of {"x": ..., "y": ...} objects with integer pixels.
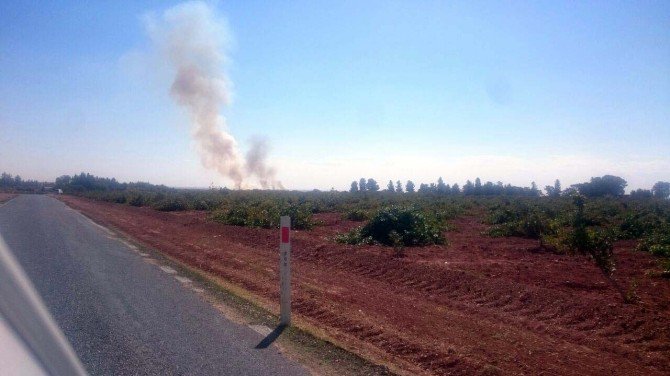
[{"x": 478, "y": 305}]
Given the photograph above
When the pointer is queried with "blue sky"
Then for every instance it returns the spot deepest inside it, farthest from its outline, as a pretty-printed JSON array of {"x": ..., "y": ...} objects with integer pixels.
[{"x": 511, "y": 91}]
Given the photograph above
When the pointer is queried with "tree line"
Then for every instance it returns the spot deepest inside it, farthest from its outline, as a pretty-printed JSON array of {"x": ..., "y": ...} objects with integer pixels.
[
  {"x": 607, "y": 185},
  {"x": 87, "y": 182},
  {"x": 17, "y": 184}
]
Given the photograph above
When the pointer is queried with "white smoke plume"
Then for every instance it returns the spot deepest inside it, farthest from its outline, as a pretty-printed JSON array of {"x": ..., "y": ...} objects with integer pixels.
[
  {"x": 257, "y": 166},
  {"x": 193, "y": 40}
]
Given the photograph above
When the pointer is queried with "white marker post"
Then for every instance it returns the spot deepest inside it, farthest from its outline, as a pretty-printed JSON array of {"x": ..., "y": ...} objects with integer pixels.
[{"x": 285, "y": 270}]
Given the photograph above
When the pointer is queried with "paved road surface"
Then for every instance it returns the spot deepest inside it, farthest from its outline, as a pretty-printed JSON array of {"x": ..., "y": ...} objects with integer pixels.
[{"x": 124, "y": 315}]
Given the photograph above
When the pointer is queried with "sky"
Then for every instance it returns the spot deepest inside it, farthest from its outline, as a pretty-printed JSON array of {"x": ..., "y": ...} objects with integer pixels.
[{"x": 402, "y": 90}]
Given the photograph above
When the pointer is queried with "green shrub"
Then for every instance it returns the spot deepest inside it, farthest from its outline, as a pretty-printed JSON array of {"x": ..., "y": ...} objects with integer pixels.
[
  {"x": 501, "y": 216},
  {"x": 357, "y": 215},
  {"x": 412, "y": 226},
  {"x": 601, "y": 250},
  {"x": 136, "y": 199},
  {"x": 119, "y": 199},
  {"x": 504, "y": 230},
  {"x": 656, "y": 241},
  {"x": 596, "y": 243},
  {"x": 531, "y": 224},
  {"x": 661, "y": 250},
  {"x": 665, "y": 266},
  {"x": 635, "y": 225},
  {"x": 265, "y": 214},
  {"x": 236, "y": 216},
  {"x": 301, "y": 215},
  {"x": 353, "y": 237},
  {"x": 171, "y": 204},
  {"x": 201, "y": 205}
]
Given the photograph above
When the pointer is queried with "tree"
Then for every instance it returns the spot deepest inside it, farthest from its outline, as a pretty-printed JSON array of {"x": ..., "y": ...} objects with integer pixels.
[
  {"x": 63, "y": 182},
  {"x": 661, "y": 189},
  {"x": 468, "y": 188},
  {"x": 372, "y": 185},
  {"x": 362, "y": 185},
  {"x": 398, "y": 186},
  {"x": 488, "y": 189},
  {"x": 409, "y": 187},
  {"x": 555, "y": 190},
  {"x": 6, "y": 180},
  {"x": 478, "y": 187},
  {"x": 390, "y": 187},
  {"x": 641, "y": 193},
  {"x": 570, "y": 191},
  {"x": 423, "y": 188},
  {"x": 441, "y": 187},
  {"x": 455, "y": 189},
  {"x": 550, "y": 190},
  {"x": 354, "y": 186},
  {"x": 603, "y": 186},
  {"x": 533, "y": 189}
]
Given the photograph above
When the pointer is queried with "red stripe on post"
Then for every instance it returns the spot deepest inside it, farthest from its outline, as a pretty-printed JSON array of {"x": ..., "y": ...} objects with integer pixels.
[{"x": 284, "y": 234}]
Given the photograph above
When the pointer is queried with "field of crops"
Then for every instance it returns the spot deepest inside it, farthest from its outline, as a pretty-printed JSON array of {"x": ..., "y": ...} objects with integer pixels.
[
  {"x": 438, "y": 284},
  {"x": 563, "y": 224}
]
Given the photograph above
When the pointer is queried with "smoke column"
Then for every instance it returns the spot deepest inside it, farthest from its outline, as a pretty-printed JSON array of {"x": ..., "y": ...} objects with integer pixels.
[
  {"x": 257, "y": 166},
  {"x": 193, "y": 40}
]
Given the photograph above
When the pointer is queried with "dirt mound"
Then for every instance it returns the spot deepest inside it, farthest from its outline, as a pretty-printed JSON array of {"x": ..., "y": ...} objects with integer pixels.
[{"x": 477, "y": 304}]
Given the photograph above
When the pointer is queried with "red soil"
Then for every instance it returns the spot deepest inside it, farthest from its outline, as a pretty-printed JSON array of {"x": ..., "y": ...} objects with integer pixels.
[
  {"x": 477, "y": 305},
  {"x": 6, "y": 196}
]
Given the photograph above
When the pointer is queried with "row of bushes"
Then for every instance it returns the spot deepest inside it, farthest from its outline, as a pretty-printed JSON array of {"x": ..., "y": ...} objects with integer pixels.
[
  {"x": 265, "y": 214},
  {"x": 419, "y": 219},
  {"x": 163, "y": 201},
  {"x": 240, "y": 210},
  {"x": 623, "y": 218},
  {"x": 575, "y": 225},
  {"x": 657, "y": 243},
  {"x": 331, "y": 201}
]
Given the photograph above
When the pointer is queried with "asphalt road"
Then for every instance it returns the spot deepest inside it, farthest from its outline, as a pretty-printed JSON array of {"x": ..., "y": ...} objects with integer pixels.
[{"x": 123, "y": 315}]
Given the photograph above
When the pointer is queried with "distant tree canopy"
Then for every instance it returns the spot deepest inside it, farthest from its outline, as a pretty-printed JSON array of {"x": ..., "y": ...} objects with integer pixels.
[
  {"x": 443, "y": 188},
  {"x": 555, "y": 190},
  {"x": 641, "y": 193},
  {"x": 603, "y": 186},
  {"x": 362, "y": 184},
  {"x": 372, "y": 185},
  {"x": 468, "y": 188},
  {"x": 17, "y": 184},
  {"x": 85, "y": 182},
  {"x": 478, "y": 187},
  {"x": 596, "y": 187},
  {"x": 661, "y": 189}
]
